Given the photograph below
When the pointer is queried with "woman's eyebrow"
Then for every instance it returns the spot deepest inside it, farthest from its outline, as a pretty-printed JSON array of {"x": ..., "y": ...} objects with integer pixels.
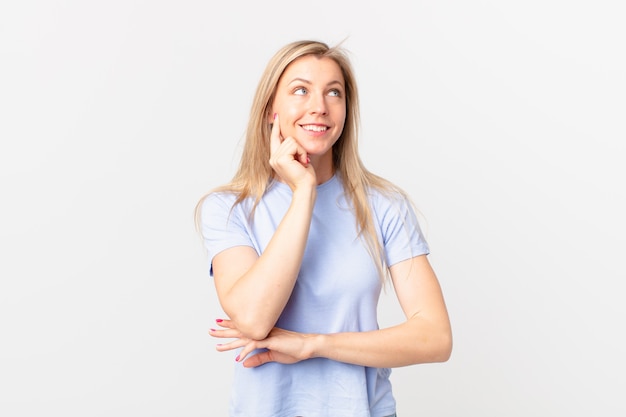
[
  {"x": 301, "y": 80},
  {"x": 305, "y": 81}
]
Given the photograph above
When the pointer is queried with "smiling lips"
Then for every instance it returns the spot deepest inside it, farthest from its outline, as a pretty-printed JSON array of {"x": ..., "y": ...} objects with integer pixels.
[{"x": 315, "y": 128}]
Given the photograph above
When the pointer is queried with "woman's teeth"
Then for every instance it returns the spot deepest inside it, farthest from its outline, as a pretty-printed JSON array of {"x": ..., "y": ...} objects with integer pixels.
[{"x": 314, "y": 128}]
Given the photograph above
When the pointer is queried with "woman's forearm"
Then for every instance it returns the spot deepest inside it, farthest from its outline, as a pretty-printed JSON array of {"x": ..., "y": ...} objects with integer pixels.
[{"x": 418, "y": 340}]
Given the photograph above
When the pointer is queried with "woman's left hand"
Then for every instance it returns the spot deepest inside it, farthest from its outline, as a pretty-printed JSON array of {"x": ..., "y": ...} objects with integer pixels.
[{"x": 283, "y": 346}]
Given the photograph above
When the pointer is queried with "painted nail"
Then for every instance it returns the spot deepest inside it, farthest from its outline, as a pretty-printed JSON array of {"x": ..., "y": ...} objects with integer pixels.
[
  {"x": 275, "y": 114},
  {"x": 212, "y": 330},
  {"x": 237, "y": 358},
  {"x": 218, "y": 320}
]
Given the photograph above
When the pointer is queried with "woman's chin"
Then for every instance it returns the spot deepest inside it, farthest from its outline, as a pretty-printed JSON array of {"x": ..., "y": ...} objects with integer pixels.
[{"x": 316, "y": 149}]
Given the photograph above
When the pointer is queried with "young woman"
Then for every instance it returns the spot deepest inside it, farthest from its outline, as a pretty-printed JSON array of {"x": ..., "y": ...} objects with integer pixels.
[{"x": 301, "y": 242}]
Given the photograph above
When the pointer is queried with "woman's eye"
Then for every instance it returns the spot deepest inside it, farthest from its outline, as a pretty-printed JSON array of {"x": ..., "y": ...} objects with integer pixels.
[
  {"x": 334, "y": 93},
  {"x": 300, "y": 91}
]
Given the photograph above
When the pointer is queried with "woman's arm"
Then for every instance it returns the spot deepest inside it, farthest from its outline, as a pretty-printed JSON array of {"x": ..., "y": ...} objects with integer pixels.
[
  {"x": 424, "y": 337},
  {"x": 253, "y": 290}
]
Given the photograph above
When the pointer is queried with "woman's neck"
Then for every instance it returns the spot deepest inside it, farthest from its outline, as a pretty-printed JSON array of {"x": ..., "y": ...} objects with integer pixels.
[{"x": 323, "y": 166}]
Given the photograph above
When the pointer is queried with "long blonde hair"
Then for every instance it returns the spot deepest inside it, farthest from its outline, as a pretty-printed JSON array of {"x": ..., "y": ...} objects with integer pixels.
[{"x": 254, "y": 174}]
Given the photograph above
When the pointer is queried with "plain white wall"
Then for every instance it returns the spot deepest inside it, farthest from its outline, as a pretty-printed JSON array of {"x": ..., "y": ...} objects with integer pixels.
[{"x": 503, "y": 119}]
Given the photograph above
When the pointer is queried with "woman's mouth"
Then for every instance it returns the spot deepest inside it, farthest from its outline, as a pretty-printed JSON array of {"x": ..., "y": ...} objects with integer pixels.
[{"x": 314, "y": 128}]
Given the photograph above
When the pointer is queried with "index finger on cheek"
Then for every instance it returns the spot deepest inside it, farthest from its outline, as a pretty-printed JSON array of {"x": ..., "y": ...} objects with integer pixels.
[{"x": 275, "y": 139}]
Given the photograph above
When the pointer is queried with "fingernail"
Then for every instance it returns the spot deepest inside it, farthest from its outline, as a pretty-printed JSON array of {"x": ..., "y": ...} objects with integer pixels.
[
  {"x": 212, "y": 330},
  {"x": 275, "y": 114},
  {"x": 219, "y": 320},
  {"x": 308, "y": 159},
  {"x": 237, "y": 358}
]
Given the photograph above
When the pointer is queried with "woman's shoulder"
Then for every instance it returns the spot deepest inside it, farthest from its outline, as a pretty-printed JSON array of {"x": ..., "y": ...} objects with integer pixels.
[
  {"x": 219, "y": 197},
  {"x": 219, "y": 201},
  {"x": 386, "y": 193},
  {"x": 387, "y": 200}
]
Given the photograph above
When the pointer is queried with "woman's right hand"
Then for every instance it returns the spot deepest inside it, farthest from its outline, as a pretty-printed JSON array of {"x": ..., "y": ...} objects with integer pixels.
[
  {"x": 280, "y": 345},
  {"x": 289, "y": 160}
]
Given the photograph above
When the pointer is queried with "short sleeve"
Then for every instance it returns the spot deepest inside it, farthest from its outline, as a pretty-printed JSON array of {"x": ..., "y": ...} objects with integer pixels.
[
  {"x": 223, "y": 226},
  {"x": 401, "y": 235}
]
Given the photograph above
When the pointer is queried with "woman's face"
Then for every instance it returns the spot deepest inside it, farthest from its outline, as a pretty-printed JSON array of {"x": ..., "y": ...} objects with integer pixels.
[{"x": 311, "y": 104}]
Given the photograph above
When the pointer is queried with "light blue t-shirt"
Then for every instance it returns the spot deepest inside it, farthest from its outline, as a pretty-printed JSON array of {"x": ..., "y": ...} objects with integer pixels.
[{"x": 337, "y": 290}]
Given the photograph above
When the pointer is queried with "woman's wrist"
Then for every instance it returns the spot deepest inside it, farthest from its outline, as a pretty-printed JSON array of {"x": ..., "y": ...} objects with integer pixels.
[
  {"x": 305, "y": 194},
  {"x": 315, "y": 345}
]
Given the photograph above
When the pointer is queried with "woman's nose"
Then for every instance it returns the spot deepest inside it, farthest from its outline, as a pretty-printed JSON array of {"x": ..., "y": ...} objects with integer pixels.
[{"x": 318, "y": 104}]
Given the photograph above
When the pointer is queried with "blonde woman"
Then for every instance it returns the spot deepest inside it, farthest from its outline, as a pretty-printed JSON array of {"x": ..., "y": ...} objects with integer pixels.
[{"x": 300, "y": 243}]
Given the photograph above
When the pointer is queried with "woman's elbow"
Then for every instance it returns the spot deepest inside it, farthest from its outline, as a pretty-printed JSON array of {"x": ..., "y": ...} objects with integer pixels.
[
  {"x": 250, "y": 322},
  {"x": 251, "y": 328},
  {"x": 257, "y": 332},
  {"x": 435, "y": 348},
  {"x": 444, "y": 350},
  {"x": 442, "y": 346}
]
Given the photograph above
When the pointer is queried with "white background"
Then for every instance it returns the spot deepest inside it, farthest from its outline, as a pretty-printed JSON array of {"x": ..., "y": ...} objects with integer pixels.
[{"x": 505, "y": 120}]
